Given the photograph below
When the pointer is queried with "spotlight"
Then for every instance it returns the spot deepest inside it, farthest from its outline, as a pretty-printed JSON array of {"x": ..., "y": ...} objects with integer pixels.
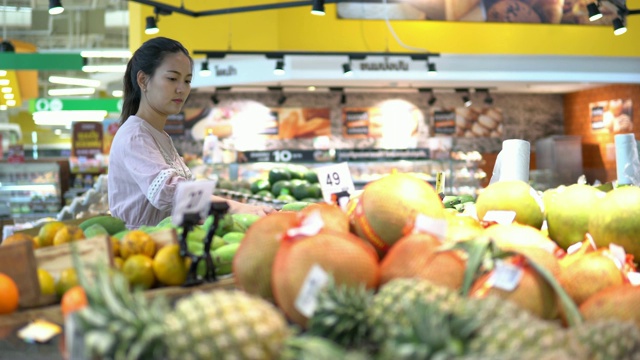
[
  {"x": 487, "y": 99},
  {"x": 346, "y": 69},
  {"x": 594, "y": 12},
  {"x": 279, "y": 70},
  {"x": 318, "y": 7},
  {"x": 7, "y": 46},
  {"x": 618, "y": 26},
  {"x": 282, "y": 99},
  {"x": 432, "y": 98},
  {"x": 204, "y": 69},
  {"x": 152, "y": 26},
  {"x": 214, "y": 99},
  {"x": 343, "y": 98},
  {"x": 55, "y": 7},
  {"x": 431, "y": 68},
  {"x": 466, "y": 99}
]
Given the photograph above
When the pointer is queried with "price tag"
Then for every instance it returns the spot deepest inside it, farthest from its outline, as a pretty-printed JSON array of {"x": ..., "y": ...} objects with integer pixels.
[
  {"x": 282, "y": 155},
  {"x": 634, "y": 278},
  {"x": 427, "y": 224},
  {"x": 439, "y": 182},
  {"x": 334, "y": 179},
  {"x": 503, "y": 217},
  {"x": 506, "y": 276},
  {"x": 192, "y": 197},
  {"x": 307, "y": 299},
  {"x": 619, "y": 254}
]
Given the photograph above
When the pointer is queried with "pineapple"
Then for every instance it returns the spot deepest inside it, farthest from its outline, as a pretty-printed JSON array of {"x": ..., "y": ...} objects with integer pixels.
[
  {"x": 431, "y": 334},
  {"x": 608, "y": 339},
  {"x": 386, "y": 319},
  {"x": 220, "y": 324},
  {"x": 309, "y": 347},
  {"x": 341, "y": 315}
]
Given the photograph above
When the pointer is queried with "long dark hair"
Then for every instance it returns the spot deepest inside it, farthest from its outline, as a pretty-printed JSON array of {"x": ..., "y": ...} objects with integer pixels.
[{"x": 147, "y": 58}]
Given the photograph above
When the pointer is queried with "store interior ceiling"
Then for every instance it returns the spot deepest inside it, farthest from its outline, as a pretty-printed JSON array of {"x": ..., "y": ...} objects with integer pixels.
[{"x": 104, "y": 25}]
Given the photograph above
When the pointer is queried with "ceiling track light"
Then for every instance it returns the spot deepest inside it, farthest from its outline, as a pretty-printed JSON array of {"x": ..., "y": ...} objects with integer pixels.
[
  {"x": 594, "y": 11},
  {"x": 619, "y": 27},
  {"x": 7, "y": 46},
  {"x": 151, "y": 27},
  {"x": 55, "y": 7},
  {"x": 466, "y": 98},
  {"x": 431, "y": 68},
  {"x": 488, "y": 99},
  {"x": 214, "y": 98},
  {"x": 279, "y": 70},
  {"x": 432, "y": 98},
  {"x": 346, "y": 69},
  {"x": 204, "y": 69},
  {"x": 317, "y": 8}
]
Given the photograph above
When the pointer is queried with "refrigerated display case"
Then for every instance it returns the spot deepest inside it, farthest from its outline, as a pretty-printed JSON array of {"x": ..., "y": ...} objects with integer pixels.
[{"x": 30, "y": 190}]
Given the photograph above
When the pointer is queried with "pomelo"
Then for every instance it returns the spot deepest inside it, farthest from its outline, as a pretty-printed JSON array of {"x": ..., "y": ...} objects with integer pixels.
[
  {"x": 568, "y": 213},
  {"x": 589, "y": 274},
  {"x": 616, "y": 220},
  {"x": 341, "y": 255},
  {"x": 388, "y": 206},
  {"x": 616, "y": 302},
  {"x": 462, "y": 227},
  {"x": 513, "y": 195},
  {"x": 253, "y": 261},
  {"x": 332, "y": 216},
  {"x": 517, "y": 236},
  {"x": 417, "y": 256}
]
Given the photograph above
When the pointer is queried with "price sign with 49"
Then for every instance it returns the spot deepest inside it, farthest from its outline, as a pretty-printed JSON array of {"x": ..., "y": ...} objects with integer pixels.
[{"x": 334, "y": 179}]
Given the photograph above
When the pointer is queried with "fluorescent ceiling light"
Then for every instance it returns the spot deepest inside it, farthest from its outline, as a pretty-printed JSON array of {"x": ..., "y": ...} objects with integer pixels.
[
  {"x": 105, "y": 68},
  {"x": 3, "y": 72},
  {"x": 73, "y": 91},
  {"x": 119, "y": 54},
  {"x": 4, "y": 82},
  {"x": 11, "y": 103},
  {"x": 117, "y": 93},
  {"x": 66, "y": 117},
  {"x": 9, "y": 96},
  {"x": 3, "y": 107},
  {"x": 73, "y": 81},
  {"x": 6, "y": 90}
]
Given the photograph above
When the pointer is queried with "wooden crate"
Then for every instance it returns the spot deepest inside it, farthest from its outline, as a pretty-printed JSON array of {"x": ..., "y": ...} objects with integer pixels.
[{"x": 17, "y": 260}]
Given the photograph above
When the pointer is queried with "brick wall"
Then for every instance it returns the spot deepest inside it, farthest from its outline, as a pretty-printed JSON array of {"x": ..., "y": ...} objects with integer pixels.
[{"x": 598, "y": 151}]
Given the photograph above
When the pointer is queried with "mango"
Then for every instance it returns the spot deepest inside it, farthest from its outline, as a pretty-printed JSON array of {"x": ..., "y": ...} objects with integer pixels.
[{"x": 233, "y": 237}]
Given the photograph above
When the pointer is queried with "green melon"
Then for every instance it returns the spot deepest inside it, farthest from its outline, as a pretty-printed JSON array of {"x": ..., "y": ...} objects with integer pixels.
[
  {"x": 514, "y": 195},
  {"x": 388, "y": 205},
  {"x": 616, "y": 220}
]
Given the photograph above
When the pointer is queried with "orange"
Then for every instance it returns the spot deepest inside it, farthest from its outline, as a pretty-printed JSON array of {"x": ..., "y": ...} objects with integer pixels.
[
  {"x": 118, "y": 262},
  {"x": 115, "y": 246},
  {"x": 10, "y": 296},
  {"x": 138, "y": 269},
  {"x": 47, "y": 283},
  {"x": 169, "y": 267},
  {"x": 18, "y": 237},
  {"x": 137, "y": 242},
  {"x": 67, "y": 234},
  {"x": 68, "y": 279},
  {"x": 73, "y": 300},
  {"x": 48, "y": 232}
]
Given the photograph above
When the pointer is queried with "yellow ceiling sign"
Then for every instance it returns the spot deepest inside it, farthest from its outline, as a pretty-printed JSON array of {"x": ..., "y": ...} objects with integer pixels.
[{"x": 9, "y": 89}]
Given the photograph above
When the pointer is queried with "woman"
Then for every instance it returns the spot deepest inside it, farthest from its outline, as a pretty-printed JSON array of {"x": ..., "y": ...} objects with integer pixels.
[{"x": 144, "y": 166}]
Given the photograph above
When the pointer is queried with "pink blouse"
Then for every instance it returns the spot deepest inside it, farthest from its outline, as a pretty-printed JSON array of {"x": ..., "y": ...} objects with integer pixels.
[{"x": 144, "y": 170}]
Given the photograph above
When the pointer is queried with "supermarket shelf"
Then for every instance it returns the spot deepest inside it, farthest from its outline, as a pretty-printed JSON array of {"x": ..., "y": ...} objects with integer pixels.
[{"x": 34, "y": 187}]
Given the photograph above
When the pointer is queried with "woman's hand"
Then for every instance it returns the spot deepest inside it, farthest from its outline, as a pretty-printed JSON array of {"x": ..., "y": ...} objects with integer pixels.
[{"x": 236, "y": 207}]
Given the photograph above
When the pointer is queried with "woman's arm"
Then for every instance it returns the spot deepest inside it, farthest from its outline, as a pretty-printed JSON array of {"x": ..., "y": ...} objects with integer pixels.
[{"x": 236, "y": 207}]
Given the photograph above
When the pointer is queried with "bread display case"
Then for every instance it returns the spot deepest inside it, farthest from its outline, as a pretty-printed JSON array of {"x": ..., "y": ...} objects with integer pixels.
[{"x": 30, "y": 190}]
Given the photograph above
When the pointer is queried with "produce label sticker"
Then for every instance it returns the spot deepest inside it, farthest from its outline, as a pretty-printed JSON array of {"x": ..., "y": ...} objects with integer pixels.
[
  {"x": 503, "y": 217},
  {"x": 619, "y": 254},
  {"x": 634, "y": 278},
  {"x": 39, "y": 331},
  {"x": 427, "y": 224},
  {"x": 192, "y": 197},
  {"x": 307, "y": 299},
  {"x": 311, "y": 225},
  {"x": 334, "y": 179},
  {"x": 506, "y": 276}
]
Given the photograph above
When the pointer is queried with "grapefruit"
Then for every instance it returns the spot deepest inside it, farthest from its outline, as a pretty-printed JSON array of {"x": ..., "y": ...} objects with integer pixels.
[
  {"x": 417, "y": 255},
  {"x": 568, "y": 213},
  {"x": 513, "y": 195},
  {"x": 253, "y": 261},
  {"x": 389, "y": 205},
  {"x": 616, "y": 220},
  {"x": 517, "y": 237},
  {"x": 340, "y": 255},
  {"x": 332, "y": 215},
  {"x": 616, "y": 302}
]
